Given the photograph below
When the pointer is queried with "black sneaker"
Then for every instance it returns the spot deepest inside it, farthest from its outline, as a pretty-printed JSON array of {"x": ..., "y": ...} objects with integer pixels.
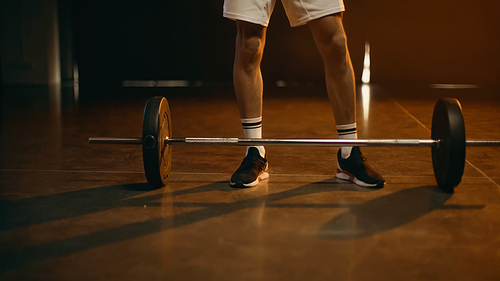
[
  {"x": 251, "y": 171},
  {"x": 356, "y": 169}
]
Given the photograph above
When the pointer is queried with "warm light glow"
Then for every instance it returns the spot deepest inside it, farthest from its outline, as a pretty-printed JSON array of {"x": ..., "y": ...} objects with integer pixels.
[
  {"x": 365, "y": 75},
  {"x": 281, "y": 83},
  {"x": 76, "y": 92},
  {"x": 159, "y": 83},
  {"x": 76, "y": 75},
  {"x": 137, "y": 83},
  {"x": 454, "y": 86},
  {"x": 172, "y": 83},
  {"x": 365, "y": 97},
  {"x": 76, "y": 86}
]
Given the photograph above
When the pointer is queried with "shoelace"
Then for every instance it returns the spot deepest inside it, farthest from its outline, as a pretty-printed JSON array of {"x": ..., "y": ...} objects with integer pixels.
[
  {"x": 356, "y": 162},
  {"x": 356, "y": 158},
  {"x": 249, "y": 162}
]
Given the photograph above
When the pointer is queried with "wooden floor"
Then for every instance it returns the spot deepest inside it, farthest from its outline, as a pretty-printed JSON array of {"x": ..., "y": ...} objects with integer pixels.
[{"x": 74, "y": 211}]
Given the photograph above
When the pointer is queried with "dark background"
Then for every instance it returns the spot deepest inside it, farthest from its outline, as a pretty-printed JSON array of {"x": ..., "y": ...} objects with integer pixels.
[{"x": 412, "y": 42}]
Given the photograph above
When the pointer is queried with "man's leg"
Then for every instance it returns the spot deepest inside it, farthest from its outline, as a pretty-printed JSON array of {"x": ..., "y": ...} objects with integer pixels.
[
  {"x": 247, "y": 78},
  {"x": 329, "y": 36}
]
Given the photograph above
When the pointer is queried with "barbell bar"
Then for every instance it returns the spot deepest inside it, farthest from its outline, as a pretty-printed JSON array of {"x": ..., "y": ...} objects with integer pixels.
[
  {"x": 294, "y": 142},
  {"x": 447, "y": 142}
]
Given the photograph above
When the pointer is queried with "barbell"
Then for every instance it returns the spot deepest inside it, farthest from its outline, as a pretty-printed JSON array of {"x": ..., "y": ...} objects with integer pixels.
[{"x": 447, "y": 142}]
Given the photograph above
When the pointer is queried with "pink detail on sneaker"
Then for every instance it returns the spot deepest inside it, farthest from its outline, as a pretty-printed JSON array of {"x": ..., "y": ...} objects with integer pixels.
[{"x": 345, "y": 175}]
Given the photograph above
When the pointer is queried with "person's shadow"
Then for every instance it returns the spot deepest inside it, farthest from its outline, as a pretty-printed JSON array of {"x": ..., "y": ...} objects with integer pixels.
[{"x": 387, "y": 212}]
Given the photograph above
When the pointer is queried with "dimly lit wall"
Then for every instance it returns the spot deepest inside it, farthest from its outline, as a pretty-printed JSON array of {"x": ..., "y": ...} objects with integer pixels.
[
  {"x": 411, "y": 41},
  {"x": 428, "y": 41},
  {"x": 29, "y": 42},
  {"x": 152, "y": 39},
  {"x": 417, "y": 42}
]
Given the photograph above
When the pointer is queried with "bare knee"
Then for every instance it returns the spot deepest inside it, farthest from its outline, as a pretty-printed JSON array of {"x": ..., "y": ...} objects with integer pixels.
[
  {"x": 249, "y": 50},
  {"x": 334, "y": 48},
  {"x": 330, "y": 39},
  {"x": 250, "y": 41}
]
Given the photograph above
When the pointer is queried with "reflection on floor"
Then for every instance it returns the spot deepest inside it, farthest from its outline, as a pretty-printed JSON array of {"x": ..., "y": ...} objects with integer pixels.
[{"x": 74, "y": 211}]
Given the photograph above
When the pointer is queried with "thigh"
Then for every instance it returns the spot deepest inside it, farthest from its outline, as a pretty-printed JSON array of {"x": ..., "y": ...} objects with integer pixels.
[
  {"x": 300, "y": 12},
  {"x": 254, "y": 11},
  {"x": 326, "y": 28}
]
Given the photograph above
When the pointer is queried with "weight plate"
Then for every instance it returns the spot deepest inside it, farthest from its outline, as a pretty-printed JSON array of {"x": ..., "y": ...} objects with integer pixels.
[
  {"x": 157, "y": 156},
  {"x": 448, "y": 157}
]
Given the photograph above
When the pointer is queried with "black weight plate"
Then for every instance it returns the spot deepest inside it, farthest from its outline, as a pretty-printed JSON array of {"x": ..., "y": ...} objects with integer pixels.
[
  {"x": 157, "y": 156},
  {"x": 448, "y": 158}
]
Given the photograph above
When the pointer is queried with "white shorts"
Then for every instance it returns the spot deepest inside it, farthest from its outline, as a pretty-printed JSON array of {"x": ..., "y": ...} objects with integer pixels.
[{"x": 299, "y": 12}]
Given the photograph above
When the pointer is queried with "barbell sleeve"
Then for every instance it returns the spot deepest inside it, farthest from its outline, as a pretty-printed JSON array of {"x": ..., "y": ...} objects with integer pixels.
[
  {"x": 111, "y": 140},
  {"x": 482, "y": 143}
]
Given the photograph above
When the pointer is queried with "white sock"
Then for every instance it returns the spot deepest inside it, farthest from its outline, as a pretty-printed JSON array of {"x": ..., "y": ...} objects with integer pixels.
[
  {"x": 252, "y": 127},
  {"x": 347, "y": 131}
]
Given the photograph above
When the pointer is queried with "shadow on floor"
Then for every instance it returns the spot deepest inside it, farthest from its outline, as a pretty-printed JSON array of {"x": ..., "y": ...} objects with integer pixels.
[
  {"x": 386, "y": 212},
  {"x": 375, "y": 216}
]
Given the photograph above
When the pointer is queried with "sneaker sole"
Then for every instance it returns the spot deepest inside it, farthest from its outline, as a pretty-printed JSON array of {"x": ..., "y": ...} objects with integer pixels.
[
  {"x": 343, "y": 175},
  {"x": 264, "y": 175}
]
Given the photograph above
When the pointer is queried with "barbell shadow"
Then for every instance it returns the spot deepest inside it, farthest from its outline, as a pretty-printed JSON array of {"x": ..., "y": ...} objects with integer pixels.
[
  {"x": 15, "y": 259},
  {"x": 42, "y": 209},
  {"x": 53, "y": 207},
  {"x": 27, "y": 212},
  {"x": 47, "y": 208}
]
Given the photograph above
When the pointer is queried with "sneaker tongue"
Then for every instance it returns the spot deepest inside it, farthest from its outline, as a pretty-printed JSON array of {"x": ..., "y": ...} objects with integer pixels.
[
  {"x": 355, "y": 150},
  {"x": 253, "y": 152}
]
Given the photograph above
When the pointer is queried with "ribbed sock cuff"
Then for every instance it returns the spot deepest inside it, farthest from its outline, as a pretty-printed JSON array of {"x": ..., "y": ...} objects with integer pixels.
[
  {"x": 347, "y": 131},
  {"x": 252, "y": 127}
]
